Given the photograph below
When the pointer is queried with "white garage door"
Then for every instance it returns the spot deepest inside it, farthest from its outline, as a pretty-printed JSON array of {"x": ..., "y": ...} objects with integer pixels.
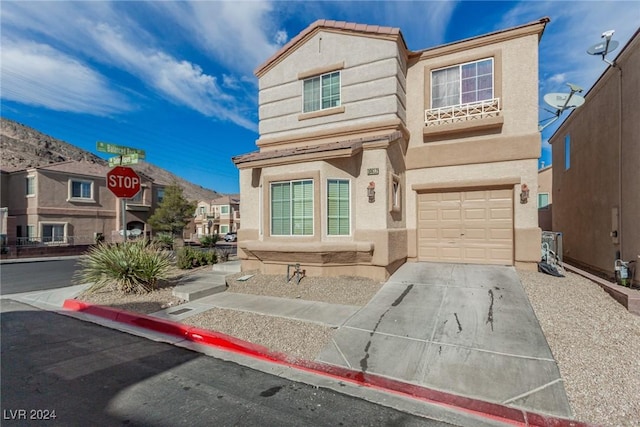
[{"x": 473, "y": 227}]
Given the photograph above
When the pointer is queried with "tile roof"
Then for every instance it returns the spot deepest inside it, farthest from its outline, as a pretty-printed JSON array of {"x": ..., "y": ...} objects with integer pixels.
[
  {"x": 226, "y": 199},
  {"x": 80, "y": 168},
  {"x": 321, "y": 148}
]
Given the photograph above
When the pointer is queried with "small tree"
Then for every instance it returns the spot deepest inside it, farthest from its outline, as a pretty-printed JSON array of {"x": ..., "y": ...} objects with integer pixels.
[{"x": 174, "y": 212}]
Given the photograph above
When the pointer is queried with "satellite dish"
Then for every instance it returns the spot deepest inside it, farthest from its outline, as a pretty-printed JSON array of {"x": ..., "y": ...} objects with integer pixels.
[
  {"x": 562, "y": 101},
  {"x": 602, "y": 48}
]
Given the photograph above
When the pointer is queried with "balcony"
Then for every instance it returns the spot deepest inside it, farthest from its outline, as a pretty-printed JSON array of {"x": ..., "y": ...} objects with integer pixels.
[{"x": 462, "y": 112}]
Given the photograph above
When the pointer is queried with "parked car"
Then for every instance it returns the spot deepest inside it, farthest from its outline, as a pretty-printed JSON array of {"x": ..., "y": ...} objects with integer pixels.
[{"x": 230, "y": 237}]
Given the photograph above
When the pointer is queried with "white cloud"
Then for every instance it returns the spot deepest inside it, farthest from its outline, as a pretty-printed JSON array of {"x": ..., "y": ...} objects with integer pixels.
[
  {"x": 38, "y": 75},
  {"x": 281, "y": 37},
  {"x": 558, "y": 78},
  {"x": 239, "y": 35},
  {"x": 118, "y": 37}
]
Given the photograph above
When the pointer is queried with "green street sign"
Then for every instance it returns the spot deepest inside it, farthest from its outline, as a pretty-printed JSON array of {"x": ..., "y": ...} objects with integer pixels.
[
  {"x": 129, "y": 159},
  {"x": 121, "y": 150}
]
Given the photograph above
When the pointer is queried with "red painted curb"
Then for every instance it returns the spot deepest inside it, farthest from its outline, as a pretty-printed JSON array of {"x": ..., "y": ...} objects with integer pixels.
[{"x": 491, "y": 410}]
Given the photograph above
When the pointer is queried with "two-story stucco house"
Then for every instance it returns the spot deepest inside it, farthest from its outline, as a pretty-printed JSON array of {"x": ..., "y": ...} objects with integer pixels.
[
  {"x": 371, "y": 155},
  {"x": 218, "y": 216},
  {"x": 69, "y": 203}
]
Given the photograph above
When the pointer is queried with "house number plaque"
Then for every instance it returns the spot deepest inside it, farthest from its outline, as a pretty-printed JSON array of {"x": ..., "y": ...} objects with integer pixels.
[{"x": 373, "y": 171}]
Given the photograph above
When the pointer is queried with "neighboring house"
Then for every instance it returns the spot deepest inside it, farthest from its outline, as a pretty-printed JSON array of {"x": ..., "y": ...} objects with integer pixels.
[
  {"x": 596, "y": 173},
  {"x": 545, "y": 186},
  {"x": 371, "y": 155},
  {"x": 219, "y": 216},
  {"x": 69, "y": 203}
]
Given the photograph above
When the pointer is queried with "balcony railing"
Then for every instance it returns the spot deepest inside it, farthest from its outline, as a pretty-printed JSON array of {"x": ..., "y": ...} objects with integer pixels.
[{"x": 462, "y": 112}]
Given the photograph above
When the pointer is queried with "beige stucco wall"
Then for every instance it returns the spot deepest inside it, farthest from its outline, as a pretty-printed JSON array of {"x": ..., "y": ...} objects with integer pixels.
[
  {"x": 516, "y": 84},
  {"x": 372, "y": 85},
  {"x": 476, "y": 157},
  {"x": 525, "y": 219},
  {"x": 604, "y": 173}
]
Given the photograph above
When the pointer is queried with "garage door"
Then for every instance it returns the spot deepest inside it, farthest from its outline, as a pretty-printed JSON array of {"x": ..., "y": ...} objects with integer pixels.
[{"x": 473, "y": 227}]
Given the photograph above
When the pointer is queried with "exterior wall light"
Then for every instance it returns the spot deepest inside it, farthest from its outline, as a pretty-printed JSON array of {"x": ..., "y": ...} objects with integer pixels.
[
  {"x": 524, "y": 194},
  {"x": 371, "y": 192}
]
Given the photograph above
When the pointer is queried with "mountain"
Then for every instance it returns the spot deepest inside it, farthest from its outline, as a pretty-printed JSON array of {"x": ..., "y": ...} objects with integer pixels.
[{"x": 24, "y": 147}]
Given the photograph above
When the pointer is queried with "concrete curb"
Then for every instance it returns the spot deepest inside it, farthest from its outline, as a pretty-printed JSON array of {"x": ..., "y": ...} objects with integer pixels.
[{"x": 493, "y": 411}]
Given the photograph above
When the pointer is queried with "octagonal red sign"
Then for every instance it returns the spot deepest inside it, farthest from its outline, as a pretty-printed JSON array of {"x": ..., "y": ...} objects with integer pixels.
[{"x": 123, "y": 182}]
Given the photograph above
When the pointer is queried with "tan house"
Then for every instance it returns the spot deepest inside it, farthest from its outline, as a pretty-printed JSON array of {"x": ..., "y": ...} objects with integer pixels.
[
  {"x": 545, "y": 208},
  {"x": 69, "y": 202},
  {"x": 219, "y": 216},
  {"x": 596, "y": 173},
  {"x": 371, "y": 155}
]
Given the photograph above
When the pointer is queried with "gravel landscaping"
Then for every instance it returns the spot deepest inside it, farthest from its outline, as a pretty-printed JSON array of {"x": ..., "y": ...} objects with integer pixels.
[
  {"x": 595, "y": 340},
  {"x": 596, "y": 343}
]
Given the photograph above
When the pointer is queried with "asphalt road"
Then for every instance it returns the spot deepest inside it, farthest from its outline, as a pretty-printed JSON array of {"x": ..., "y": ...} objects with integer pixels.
[
  {"x": 36, "y": 276},
  {"x": 84, "y": 374}
]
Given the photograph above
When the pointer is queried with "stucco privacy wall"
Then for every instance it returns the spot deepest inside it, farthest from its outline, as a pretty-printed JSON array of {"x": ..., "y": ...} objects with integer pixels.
[{"x": 372, "y": 86}]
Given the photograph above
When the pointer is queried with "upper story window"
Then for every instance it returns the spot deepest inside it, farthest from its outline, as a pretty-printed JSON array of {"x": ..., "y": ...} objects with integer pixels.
[
  {"x": 321, "y": 92},
  {"x": 160, "y": 194},
  {"x": 30, "y": 189},
  {"x": 292, "y": 208},
  {"x": 462, "y": 84},
  {"x": 224, "y": 209},
  {"x": 80, "y": 189},
  {"x": 202, "y": 209}
]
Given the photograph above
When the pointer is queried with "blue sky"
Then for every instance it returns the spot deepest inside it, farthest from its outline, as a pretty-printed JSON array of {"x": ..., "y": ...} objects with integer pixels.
[{"x": 176, "y": 78}]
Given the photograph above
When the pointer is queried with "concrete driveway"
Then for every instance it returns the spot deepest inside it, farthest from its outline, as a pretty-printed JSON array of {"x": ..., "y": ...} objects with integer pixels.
[{"x": 463, "y": 329}]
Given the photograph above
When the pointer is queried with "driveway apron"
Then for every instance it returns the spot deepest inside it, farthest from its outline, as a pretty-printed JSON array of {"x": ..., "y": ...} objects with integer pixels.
[{"x": 460, "y": 328}]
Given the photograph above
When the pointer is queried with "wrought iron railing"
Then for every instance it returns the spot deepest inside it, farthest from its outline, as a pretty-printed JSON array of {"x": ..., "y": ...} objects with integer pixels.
[{"x": 462, "y": 112}]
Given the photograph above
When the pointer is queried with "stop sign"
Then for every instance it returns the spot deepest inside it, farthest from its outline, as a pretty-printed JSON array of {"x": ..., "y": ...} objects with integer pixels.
[{"x": 123, "y": 182}]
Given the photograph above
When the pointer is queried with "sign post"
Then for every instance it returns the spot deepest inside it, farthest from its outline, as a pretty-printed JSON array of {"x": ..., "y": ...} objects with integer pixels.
[{"x": 124, "y": 183}]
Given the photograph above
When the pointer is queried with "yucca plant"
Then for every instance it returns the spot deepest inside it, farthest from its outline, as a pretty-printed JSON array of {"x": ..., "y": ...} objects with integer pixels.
[{"x": 133, "y": 267}]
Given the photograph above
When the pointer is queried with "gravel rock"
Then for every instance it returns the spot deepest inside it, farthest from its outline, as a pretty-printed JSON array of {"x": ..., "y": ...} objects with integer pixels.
[
  {"x": 345, "y": 290},
  {"x": 295, "y": 338},
  {"x": 596, "y": 343}
]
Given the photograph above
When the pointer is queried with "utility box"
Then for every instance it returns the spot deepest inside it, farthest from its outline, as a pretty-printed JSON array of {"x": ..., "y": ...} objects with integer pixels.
[{"x": 554, "y": 241}]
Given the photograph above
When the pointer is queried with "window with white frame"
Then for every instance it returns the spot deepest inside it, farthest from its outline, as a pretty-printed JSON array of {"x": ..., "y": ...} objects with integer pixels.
[
  {"x": 53, "y": 233},
  {"x": 80, "y": 189},
  {"x": 202, "y": 209},
  {"x": 224, "y": 209},
  {"x": 462, "y": 84},
  {"x": 321, "y": 92},
  {"x": 338, "y": 208},
  {"x": 543, "y": 200},
  {"x": 292, "y": 208},
  {"x": 224, "y": 229},
  {"x": 30, "y": 189}
]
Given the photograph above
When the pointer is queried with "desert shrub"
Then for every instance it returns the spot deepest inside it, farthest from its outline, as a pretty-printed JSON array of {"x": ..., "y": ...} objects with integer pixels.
[
  {"x": 133, "y": 267},
  {"x": 190, "y": 258},
  {"x": 163, "y": 240},
  {"x": 209, "y": 241},
  {"x": 223, "y": 254}
]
